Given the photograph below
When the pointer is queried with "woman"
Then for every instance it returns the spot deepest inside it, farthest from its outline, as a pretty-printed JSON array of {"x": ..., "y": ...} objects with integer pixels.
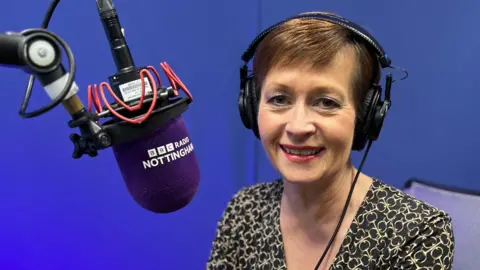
[{"x": 314, "y": 76}]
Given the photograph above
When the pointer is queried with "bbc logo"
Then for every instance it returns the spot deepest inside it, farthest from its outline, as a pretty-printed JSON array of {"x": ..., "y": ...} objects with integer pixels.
[{"x": 154, "y": 152}]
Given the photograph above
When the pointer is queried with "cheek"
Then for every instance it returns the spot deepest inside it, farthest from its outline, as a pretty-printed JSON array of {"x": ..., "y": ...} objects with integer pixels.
[
  {"x": 266, "y": 124},
  {"x": 339, "y": 132}
]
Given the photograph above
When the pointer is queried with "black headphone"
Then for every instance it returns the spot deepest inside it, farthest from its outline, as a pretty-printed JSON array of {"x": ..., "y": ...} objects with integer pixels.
[{"x": 368, "y": 125}]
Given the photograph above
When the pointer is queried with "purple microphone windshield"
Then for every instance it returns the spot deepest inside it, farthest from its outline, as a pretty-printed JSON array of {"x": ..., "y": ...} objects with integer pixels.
[{"x": 160, "y": 170}]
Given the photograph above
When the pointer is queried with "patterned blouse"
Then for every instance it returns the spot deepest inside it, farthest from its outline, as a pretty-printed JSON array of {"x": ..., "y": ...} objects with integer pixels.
[{"x": 391, "y": 230}]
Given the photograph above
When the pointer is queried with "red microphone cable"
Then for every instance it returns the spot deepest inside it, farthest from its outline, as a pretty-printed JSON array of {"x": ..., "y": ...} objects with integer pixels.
[{"x": 94, "y": 99}]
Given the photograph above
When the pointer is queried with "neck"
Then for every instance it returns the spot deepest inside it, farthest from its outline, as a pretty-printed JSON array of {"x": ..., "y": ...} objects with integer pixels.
[{"x": 308, "y": 205}]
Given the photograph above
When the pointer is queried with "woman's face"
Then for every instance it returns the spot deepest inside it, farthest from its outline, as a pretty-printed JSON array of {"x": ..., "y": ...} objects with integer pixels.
[{"x": 306, "y": 119}]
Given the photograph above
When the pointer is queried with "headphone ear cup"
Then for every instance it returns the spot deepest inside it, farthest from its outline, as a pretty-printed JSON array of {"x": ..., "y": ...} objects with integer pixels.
[
  {"x": 365, "y": 118},
  {"x": 243, "y": 106},
  {"x": 248, "y": 105},
  {"x": 253, "y": 104},
  {"x": 378, "y": 119}
]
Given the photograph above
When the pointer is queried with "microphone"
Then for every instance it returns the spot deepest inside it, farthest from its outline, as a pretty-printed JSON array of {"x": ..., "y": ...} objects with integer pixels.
[
  {"x": 144, "y": 126},
  {"x": 156, "y": 157}
]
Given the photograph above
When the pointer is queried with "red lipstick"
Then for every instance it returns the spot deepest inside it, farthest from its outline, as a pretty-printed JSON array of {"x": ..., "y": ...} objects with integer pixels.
[{"x": 292, "y": 154}]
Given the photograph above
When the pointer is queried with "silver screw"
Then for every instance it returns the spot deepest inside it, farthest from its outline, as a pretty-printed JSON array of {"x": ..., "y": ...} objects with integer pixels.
[{"x": 42, "y": 52}]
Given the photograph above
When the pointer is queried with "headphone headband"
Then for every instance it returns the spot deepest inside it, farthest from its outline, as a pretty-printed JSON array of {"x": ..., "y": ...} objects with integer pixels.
[{"x": 384, "y": 60}]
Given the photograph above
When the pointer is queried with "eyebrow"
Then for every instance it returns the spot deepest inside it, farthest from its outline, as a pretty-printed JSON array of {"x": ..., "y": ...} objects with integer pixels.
[{"x": 280, "y": 87}]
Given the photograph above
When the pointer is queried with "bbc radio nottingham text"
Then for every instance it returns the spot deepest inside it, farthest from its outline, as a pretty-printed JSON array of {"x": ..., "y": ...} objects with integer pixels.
[{"x": 168, "y": 153}]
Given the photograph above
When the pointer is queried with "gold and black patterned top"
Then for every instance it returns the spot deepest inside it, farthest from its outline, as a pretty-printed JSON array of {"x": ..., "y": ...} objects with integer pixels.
[{"x": 391, "y": 230}]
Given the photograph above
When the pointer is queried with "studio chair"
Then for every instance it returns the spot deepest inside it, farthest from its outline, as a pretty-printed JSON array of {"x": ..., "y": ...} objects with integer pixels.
[{"x": 463, "y": 206}]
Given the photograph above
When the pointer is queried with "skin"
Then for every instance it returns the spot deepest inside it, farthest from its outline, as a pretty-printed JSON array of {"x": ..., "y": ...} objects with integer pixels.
[{"x": 302, "y": 107}]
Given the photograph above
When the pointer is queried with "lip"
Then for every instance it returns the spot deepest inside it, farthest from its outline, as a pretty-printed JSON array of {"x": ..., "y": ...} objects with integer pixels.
[
  {"x": 300, "y": 147},
  {"x": 301, "y": 159}
]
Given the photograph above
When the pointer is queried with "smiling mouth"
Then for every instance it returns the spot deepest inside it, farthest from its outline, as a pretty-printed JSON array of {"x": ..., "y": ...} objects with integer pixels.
[{"x": 302, "y": 153}]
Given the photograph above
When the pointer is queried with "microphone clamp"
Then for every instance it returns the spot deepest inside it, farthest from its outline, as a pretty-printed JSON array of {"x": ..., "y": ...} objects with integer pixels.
[{"x": 94, "y": 136}]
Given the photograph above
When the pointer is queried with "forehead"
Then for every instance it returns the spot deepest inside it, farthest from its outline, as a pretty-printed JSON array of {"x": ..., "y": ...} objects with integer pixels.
[{"x": 336, "y": 76}]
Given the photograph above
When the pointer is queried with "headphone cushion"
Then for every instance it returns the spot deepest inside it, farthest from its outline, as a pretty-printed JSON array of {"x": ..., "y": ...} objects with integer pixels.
[
  {"x": 243, "y": 108},
  {"x": 253, "y": 104},
  {"x": 363, "y": 120},
  {"x": 248, "y": 107}
]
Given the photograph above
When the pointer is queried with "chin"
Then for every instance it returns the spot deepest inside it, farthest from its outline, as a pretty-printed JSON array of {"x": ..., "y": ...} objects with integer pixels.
[
  {"x": 296, "y": 176},
  {"x": 302, "y": 173}
]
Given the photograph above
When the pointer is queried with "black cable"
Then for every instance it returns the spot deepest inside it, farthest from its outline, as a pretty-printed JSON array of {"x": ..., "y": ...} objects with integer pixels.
[
  {"x": 346, "y": 205},
  {"x": 31, "y": 80}
]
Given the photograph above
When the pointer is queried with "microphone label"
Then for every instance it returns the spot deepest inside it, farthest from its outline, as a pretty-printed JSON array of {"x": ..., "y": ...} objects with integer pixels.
[
  {"x": 133, "y": 90},
  {"x": 168, "y": 153}
]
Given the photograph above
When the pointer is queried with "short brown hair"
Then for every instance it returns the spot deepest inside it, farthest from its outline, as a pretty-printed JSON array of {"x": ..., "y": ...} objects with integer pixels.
[{"x": 313, "y": 44}]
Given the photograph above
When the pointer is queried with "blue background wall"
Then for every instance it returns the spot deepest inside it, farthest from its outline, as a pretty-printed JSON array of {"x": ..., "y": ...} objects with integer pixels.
[{"x": 60, "y": 213}]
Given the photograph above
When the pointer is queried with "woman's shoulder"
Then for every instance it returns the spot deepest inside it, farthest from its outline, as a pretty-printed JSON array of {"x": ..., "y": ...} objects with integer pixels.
[
  {"x": 403, "y": 209},
  {"x": 254, "y": 200},
  {"x": 264, "y": 193},
  {"x": 388, "y": 197},
  {"x": 242, "y": 220},
  {"x": 409, "y": 228}
]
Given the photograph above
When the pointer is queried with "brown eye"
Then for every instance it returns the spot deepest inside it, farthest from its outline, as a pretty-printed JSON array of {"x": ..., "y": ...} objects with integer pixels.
[
  {"x": 328, "y": 103},
  {"x": 278, "y": 100}
]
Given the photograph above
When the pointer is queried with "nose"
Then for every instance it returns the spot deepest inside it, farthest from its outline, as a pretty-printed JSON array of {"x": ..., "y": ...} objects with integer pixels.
[{"x": 300, "y": 124}]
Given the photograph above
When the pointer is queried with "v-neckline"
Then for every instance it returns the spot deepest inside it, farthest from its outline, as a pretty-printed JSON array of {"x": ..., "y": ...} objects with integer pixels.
[{"x": 350, "y": 232}]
